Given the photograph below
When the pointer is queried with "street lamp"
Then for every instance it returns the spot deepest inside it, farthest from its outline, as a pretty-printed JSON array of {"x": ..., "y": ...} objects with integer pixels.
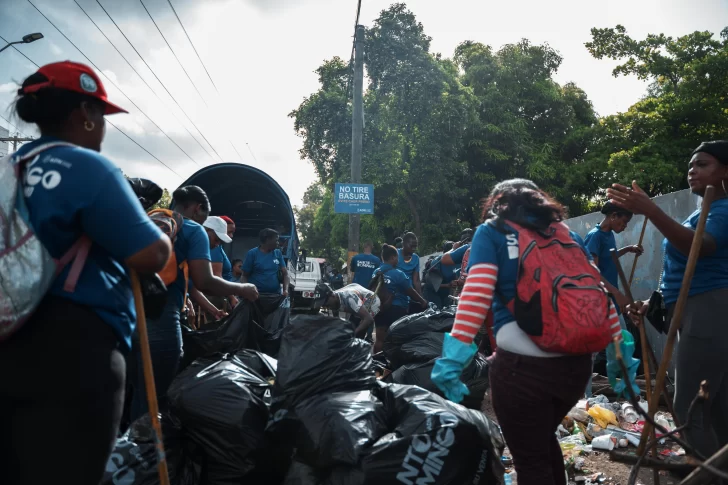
[{"x": 27, "y": 39}]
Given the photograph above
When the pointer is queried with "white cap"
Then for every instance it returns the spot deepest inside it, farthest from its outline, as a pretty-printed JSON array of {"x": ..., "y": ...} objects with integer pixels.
[{"x": 219, "y": 227}]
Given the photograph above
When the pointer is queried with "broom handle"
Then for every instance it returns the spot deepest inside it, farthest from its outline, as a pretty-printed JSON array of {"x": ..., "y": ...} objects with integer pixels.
[
  {"x": 643, "y": 341},
  {"x": 634, "y": 263},
  {"x": 149, "y": 377},
  {"x": 643, "y": 334},
  {"x": 679, "y": 309}
]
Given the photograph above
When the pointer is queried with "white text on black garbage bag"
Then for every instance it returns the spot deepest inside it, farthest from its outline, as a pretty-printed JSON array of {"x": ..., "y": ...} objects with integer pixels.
[{"x": 425, "y": 458}]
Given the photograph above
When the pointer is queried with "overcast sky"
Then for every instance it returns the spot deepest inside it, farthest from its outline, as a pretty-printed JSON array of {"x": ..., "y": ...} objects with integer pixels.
[{"x": 261, "y": 55}]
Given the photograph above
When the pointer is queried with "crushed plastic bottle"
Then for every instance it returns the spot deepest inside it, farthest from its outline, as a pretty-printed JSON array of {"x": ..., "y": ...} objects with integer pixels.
[{"x": 629, "y": 414}]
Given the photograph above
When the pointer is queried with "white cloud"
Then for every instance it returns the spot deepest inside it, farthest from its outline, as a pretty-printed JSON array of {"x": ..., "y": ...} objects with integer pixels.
[{"x": 8, "y": 88}]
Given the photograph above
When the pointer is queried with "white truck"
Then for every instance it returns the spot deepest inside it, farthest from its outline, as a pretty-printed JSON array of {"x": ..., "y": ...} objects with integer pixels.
[{"x": 309, "y": 273}]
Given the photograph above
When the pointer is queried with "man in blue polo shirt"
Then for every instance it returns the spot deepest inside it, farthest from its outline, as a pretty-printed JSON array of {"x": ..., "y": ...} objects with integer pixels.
[{"x": 364, "y": 264}]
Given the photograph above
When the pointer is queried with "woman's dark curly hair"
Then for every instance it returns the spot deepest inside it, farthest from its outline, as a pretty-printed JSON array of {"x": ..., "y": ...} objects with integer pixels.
[{"x": 521, "y": 201}]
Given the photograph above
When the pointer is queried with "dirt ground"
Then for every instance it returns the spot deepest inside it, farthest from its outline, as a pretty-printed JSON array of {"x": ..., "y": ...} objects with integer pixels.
[{"x": 615, "y": 473}]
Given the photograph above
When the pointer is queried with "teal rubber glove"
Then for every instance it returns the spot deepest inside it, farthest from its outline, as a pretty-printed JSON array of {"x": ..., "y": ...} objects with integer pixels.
[
  {"x": 614, "y": 371},
  {"x": 446, "y": 373}
]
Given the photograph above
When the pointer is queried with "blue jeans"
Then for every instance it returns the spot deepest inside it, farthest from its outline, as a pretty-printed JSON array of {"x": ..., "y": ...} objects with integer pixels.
[{"x": 165, "y": 344}]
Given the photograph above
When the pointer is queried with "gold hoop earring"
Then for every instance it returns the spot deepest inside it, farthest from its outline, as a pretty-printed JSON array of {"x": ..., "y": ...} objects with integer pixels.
[{"x": 89, "y": 125}]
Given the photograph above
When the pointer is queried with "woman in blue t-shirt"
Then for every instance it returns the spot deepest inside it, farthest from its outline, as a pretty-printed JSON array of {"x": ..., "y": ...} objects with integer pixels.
[
  {"x": 265, "y": 267},
  {"x": 533, "y": 389},
  {"x": 399, "y": 286},
  {"x": 703, "y": 346},
  {"x": 191, "y": 247},
  {"x": 62, "y": 373}
]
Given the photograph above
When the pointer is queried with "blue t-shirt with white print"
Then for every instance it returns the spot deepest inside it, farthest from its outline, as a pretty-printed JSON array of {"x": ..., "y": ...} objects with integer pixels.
[
  {"x": 397, "y": 283},
  {"x": 72, "y": 191},
  {"x": 363, "y": 266}
]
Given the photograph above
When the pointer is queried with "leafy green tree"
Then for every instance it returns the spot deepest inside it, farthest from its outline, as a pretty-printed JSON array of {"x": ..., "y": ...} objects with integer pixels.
[{"x": 685, "y": 104}]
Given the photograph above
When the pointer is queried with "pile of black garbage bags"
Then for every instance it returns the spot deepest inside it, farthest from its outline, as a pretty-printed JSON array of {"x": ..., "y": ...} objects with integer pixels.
[
  {"x": 413, "y": 344},
  {"x": 315, "y": 416}
]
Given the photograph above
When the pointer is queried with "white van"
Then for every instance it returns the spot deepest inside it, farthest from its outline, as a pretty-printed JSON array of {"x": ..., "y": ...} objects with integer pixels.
[{"x": 308, "y": 274}]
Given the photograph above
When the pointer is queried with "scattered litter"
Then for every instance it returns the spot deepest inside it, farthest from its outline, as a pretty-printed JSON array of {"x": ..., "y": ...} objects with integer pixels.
[
  {"x": 605, "y": 442},
  {"x": 602, "y": 416}
]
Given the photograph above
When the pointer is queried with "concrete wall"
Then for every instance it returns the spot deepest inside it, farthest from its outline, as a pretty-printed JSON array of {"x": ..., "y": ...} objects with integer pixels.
[{"x": 679, "y": 205}]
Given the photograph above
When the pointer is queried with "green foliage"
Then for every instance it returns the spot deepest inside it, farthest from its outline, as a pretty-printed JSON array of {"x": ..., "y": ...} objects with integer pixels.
[
  {"x": 164, "y": 202},
  {"x": 686, "y": 104},
  {"x": 439, "y": 133}
]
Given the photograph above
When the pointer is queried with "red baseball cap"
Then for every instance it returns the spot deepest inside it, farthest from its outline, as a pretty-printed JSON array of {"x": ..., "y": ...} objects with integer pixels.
[
  {"x": 227, "y": 219},
  {"x": 76, "y": 77}
]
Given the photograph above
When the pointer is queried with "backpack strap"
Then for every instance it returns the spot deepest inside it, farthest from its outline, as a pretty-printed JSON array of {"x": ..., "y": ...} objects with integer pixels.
[
  {"x": 18, "y": 160},
  {"x": 78, "y": 252}
]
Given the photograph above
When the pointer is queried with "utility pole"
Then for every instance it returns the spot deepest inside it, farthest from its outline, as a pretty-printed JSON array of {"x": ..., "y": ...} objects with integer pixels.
[
  {"x": 357, "y": 131},
  {"x": 15, "y": 140}
]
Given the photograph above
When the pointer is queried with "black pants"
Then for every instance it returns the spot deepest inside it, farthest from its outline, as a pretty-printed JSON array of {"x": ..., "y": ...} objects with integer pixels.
[
  {"x": 701, "y": 355},
  {"x": 61, "y": 396},
  {"x": 386, "y": 318},
  {"x": 531, "y": 395}
]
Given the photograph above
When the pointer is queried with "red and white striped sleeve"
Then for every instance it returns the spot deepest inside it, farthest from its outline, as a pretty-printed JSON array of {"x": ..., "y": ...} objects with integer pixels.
[
  {"x": 615, "y": 325},
  {"x": 475, "y": 301}
]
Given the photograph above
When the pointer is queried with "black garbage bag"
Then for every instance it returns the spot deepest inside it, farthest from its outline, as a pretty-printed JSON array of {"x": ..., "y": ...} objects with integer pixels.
[
  {"x": 415, "y": 375},
  {"x": 227, "y": 335},
  {"x": 134, "y": 458},
  {"x": 320, "y": 354},
  {"x": 422, "y": 348},
  {"x": 475, "y": 376},
  {"x": 224, "y": 410},
  {"x": 146, "y": 191},
  {"x": 407, "y": 329},
  {"x": 271, "y": 315},
  {"x": 302, "y": 474},
  {"x": 336, "y": 428},
  {"x": 433, "y": 441}
]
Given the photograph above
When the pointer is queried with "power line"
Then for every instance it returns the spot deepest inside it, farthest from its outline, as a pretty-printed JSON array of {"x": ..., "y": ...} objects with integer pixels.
[
  {"x": 236, "y": 150},
  {"x": 141, "y": 77},
  {"x": 17, "y": 130},
  {"x": 173, "y": 53},
  {"x": 112, "y": 124},
  {"x": 193, "y": 45},
  {"x": 180, "y": 62},
  {"x": 251, "y": 151},
  {"x": 150, "y": 153},
  {"x": 159, "y": 80},
  {"x": 19, "y": 52},
  {"x": 114, "y": 84},
  {"x": 201, "y": 62}
]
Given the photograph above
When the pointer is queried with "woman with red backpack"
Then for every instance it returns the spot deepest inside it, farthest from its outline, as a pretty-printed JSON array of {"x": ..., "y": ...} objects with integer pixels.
[
  {"x": 550, "y": 314},
  {"x": 62, "y": 372}
]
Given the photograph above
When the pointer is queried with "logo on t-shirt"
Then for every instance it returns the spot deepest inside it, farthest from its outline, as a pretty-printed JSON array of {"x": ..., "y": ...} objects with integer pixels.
[
  {"x": 49, "y": 179},
  {"x": 512, "y": 241},
  {"x": 365, "y": 264}
]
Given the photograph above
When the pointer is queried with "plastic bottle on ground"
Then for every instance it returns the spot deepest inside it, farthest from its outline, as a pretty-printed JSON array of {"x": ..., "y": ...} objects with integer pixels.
[{"x": 629, "y": 414}]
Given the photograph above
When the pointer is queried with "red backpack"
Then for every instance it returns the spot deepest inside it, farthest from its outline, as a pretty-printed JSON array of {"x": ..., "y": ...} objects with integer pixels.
[{"x": 560, "y": 301}]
